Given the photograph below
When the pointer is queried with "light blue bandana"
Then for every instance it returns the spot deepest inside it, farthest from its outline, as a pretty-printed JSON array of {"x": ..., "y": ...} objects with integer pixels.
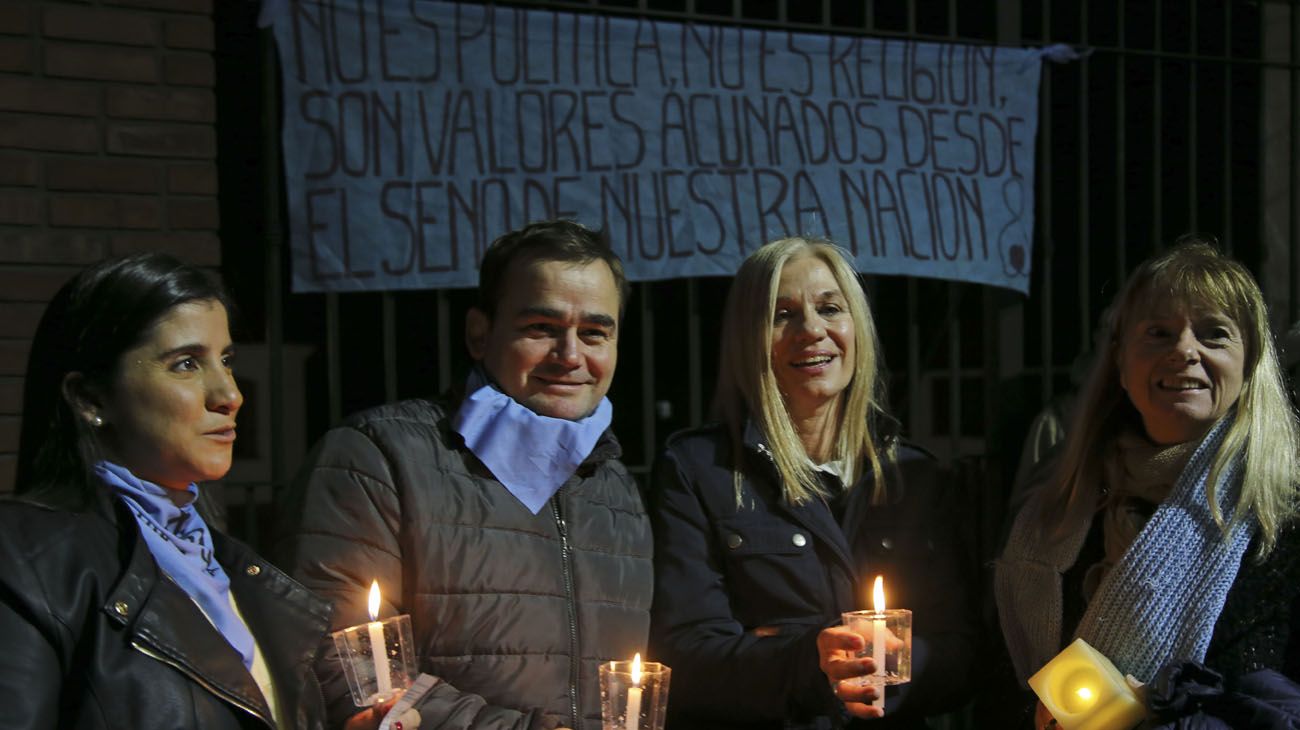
[
  {"x": 531, "y": 455},
  {"x": 179, "y": 540}
]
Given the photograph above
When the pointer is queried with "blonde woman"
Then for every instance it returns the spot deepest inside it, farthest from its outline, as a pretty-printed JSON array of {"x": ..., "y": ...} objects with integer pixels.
[
  {"x": 769, "y": 522},
  {"x": 1160, "y": 536}
]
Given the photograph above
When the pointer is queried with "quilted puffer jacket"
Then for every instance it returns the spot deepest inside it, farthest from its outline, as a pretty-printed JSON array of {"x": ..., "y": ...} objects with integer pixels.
[{"x": 512, "y": 611}]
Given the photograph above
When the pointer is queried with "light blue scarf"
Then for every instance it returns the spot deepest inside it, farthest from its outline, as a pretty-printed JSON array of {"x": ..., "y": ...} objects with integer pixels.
[
  {"x": 530, "y": 454},
  {"x": 1161, "y": 600},
  {"x": 179, "y": 540}
]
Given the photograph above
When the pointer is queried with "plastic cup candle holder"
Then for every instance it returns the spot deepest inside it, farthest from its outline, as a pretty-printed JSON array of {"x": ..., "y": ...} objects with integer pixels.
[
  {"x": 378, "y": 656},
  {"x": 888, "y": 637},
  {"x": 1084, "y": 691},
  {"x": 633, "y": 695}
]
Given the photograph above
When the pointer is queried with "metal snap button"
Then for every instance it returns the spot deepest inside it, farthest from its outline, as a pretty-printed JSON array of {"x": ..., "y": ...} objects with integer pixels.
[
  {"x": 734, "y": 541},
  {"x": 121, "y": 608},
  {"x": 253, "y": 570},
  {"x": 799, "y": 540},
  {"x": 886, "y": 543}
]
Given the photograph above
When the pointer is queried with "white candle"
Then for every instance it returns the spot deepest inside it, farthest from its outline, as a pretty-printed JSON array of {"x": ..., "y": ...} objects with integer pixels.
[
  {"x": 379, "y": 647},
  {"x": 633, "y": 720},
  {"x": 878, "y": 640}
]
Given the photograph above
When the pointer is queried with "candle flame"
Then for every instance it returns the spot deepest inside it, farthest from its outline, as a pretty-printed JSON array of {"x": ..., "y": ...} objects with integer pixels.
[
  {"x": 1084, "y": 693},
  {"x": 374, "y": 601},
  {"x": 636, "y": 669},
  {"x": 878, "y": 594}
]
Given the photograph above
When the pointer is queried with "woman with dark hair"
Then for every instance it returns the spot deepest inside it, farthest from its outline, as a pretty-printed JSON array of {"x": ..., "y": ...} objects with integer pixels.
[
  {"x": 119, "y": 606},
  {"x": 771, "y": 522}
]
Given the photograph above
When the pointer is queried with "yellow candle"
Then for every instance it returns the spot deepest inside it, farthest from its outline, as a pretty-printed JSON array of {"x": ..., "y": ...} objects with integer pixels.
[{"x": 1084, "y": 691}]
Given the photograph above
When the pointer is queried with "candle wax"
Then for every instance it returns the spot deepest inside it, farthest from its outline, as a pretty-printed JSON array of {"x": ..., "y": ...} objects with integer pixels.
[
  {"x": 633, "y": 721},
  {"x": 878, "y": 656},
  {"x": 379, "y": 653}
]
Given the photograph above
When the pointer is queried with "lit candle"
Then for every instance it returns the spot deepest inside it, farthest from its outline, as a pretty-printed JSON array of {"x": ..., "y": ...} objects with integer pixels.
[
  {"x": 379, "y": 647},
  {"x": 1084, "y": 691},
  {"x": 878, "y": 639},
  {"x": 633, "y": 720}
]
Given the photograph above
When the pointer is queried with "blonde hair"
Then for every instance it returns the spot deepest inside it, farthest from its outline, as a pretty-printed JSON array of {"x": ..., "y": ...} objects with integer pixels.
[
  {"x": 747, "y": 387},
  {"x": 1264, "y": 433}
]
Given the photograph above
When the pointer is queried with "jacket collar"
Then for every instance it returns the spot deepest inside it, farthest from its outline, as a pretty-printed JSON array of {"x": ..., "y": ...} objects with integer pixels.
[
  {"x": 165, "y": 624},
  {"x": 288, "y": 621},
  {"x": 814, "y": 515}
]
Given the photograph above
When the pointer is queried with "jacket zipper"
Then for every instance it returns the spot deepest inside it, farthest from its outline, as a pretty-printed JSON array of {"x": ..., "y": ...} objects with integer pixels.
[
  {"x": 205, "y": 684},
  {"x": 571, "y": 603}
]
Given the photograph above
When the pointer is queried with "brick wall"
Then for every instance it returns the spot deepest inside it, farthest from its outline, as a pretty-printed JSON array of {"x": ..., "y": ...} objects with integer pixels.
[{"x": 107, "y": 146}]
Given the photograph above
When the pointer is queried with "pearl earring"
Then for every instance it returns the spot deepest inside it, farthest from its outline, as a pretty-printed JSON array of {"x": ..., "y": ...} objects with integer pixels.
[{"x": 97, "y": 422}]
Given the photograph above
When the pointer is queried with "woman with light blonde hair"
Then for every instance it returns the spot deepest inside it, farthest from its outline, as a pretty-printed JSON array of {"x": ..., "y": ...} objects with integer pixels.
[
  {"x": 1159, "y": 536},
  {"x": 769, "y": 521}
]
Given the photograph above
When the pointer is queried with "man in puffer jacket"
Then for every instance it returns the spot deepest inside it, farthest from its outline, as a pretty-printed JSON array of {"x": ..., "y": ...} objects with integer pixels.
[{"x": 501, "y": 520}]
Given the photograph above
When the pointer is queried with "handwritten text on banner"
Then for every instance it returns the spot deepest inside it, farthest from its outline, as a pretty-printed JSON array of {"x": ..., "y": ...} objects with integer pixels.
[{"x": 416, "y": 131}]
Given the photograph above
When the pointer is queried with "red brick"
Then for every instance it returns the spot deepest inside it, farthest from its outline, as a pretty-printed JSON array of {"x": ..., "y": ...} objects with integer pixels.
[
  {"x": 189, "y": 69},
  {"x": 198, "y": 248},
  {"x": 23, "y": 209},
  {"x": 52, "y": 247},
  {"x": 18, "y": 169},
  {"x": 104, "y": 211},
  {"x": 102, "y": 63},
  {"x": 31, "y": 284},
  {"x": 17, "y": 17},
  {"x": 17, "y": 55},
  {"x": 27, "y": 94},
  {"x": 95, "y": 24},
  {"x": 202, "y": 7},
  {"x": 11, "y": 395},
  {"x": 186, "y": 105},
  {"x": 13, "y": 356},
  {"x": 111, "y": 175},
  {"x": 192, "y": 179},
  {"x": 20, "y": 320},
  {"x": 188, "y": 32},
  {"x": 9, "y": 427},
  {"x": 189, "y": 214},
  {"x": 162, "y": 140},
  {"x": 48, "y": 133}
]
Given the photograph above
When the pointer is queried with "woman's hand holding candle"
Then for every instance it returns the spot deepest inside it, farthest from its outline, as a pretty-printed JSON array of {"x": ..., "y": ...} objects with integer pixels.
[{"x": 837, "y": 649}]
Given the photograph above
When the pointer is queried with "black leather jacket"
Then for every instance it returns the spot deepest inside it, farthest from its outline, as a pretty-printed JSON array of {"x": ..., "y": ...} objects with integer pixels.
[{"x": 94, "y": 635}]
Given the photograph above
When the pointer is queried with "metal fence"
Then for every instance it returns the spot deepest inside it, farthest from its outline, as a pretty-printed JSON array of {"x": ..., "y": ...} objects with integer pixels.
[{"x": 1180, "y": 119}]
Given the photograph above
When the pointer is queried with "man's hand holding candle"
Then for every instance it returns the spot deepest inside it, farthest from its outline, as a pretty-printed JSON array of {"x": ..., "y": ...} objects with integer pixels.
[
  {"x": 369, "y": 718},
  {"x": 837, "y": 649}
]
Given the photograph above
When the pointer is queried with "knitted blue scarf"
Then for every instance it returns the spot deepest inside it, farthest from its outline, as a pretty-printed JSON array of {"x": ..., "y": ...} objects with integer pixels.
[
  {"x": 179, "y": 540},
  {"x": 1161, "y": 600},
  {"x": 531, "y": 455}
]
